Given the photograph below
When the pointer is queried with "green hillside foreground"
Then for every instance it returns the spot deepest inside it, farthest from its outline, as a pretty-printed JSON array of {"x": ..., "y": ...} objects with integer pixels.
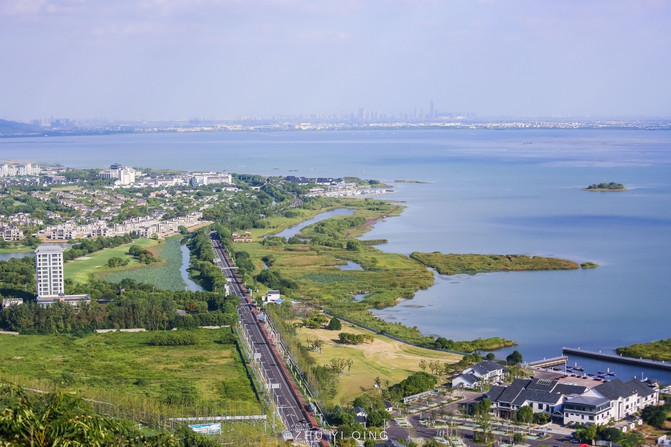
[
  {"x": 656, "y": 350},
  {"x": 454, "y": 264},
  {"x": 128, "y": 371}
]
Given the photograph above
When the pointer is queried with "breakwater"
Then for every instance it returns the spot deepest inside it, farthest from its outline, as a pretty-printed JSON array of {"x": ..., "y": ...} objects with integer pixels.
[{"x": 618, "y": 358}]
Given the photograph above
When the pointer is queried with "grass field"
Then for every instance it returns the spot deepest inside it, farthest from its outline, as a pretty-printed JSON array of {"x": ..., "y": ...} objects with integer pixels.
[
  {"x": 655, "y": 350},
  {"x": 19, "y": 249},
  {"x": 389, "y": 359},
  {"x": 124, "y": 369},
  {"x": 96, "y": 263},
  {"x": 165, "y": 275}
]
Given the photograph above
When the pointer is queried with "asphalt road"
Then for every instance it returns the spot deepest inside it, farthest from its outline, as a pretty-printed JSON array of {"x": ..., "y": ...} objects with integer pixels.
[{"x": 294, "y": 417}]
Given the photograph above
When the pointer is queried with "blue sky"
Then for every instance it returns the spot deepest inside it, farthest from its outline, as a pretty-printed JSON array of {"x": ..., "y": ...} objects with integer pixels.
[{"x": 180, "y": 59}]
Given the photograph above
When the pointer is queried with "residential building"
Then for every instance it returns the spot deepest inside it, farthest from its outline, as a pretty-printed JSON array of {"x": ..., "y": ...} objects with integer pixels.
[
  {"x": 11, "y": 234},
  {"x": 360, "y": 415},
  {"x": 73, "y": 300},
  {"x": 49, "y": 270},
  {"x": 124, "y": 175},
  {"x": 6, "y": 302},
  {"x": 210, "y": 178},
  {"x": 247, "y": 237},
  {"x": 542, "y": 395},
  {"x": 614, "y": 400},
  {"x": 273, "y": 296},
  {"x": 569, "y": 403},
  {"x": 482, "y": 373}
]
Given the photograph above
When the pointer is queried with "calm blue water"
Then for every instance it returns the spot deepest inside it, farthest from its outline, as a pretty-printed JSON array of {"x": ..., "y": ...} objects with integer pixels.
[
  {"x": 295, "y": 229},
  {"x": 7, "y": 256},
  {"x": 488, "y": 192},
  {"x": 185, "y": 274}
]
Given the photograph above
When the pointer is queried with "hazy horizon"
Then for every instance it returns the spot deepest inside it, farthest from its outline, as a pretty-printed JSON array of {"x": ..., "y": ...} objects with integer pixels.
[{"x": 218, "y": 59}]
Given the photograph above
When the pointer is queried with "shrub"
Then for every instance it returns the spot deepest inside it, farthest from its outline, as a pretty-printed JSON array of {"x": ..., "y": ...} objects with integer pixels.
[
  {"x": 179, "y": 338},
  {"x": 334, "y": 324}
]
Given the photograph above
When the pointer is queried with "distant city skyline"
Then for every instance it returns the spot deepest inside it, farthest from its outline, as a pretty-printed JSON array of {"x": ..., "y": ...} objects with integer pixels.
[{"x": 222, "y": 59}]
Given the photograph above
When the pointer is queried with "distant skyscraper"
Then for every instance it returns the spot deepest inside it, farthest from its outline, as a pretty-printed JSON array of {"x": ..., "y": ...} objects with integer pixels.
[{"x": 49, "y": 269}]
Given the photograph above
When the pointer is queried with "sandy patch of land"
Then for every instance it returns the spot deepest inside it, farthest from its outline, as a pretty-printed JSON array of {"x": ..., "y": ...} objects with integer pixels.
[{"x": 386, "y": 358}]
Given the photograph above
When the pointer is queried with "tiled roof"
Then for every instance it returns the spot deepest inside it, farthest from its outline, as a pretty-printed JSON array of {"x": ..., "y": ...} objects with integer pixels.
[
  {"x": 616, "y": 389},
  {"x": 483, "y": 368}
]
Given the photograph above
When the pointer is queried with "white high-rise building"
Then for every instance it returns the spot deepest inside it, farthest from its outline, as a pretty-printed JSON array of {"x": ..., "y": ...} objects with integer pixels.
[
  {"x": 124, "y": 175},
  {"x": 49, "y": 269},
  {"x": 127, "y": 176}
]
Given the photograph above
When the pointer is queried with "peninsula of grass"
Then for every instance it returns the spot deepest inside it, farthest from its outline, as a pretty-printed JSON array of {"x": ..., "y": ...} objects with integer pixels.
[
  {"x": 164, "y": 274},
  {"x": 314, "y": 266},
  {"x": 95, "y": 263},
  {"x": 657, "y": 350},
  {"x": 454, "y": 264},
  {"x": 388, "y": 359},
  {"x": 612, "y": 186},
  {"x": 127, "y": 371},
  {"x": 588, "y": 265}
]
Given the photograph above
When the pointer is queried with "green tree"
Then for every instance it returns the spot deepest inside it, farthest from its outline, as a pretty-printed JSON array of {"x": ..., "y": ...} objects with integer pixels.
[
  {"x": 586, "y": 433},
  {"x": 482, "y": 407},
  {"x": 541, "y": 418},
  {"x": 484, "y": 423},
  {"x": 353, "y": 245},
  {"x": 631, "y": 439},
  {"x": 654, "y": 415},
  {"x": 525, "y": 414},
  {"x": 610, "y": 434},
  {"x": 515, "y": 358},
  {"x": 334, "y": 324}
]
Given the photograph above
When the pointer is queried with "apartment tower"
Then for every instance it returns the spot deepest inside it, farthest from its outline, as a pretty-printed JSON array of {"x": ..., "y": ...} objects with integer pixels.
[{"x": 49, "y": 269}]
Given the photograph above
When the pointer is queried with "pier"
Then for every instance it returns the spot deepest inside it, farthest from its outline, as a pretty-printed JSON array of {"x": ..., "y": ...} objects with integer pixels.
[
  {"x": 545, "y": 363},
  {"x": 618, "y": 358}
]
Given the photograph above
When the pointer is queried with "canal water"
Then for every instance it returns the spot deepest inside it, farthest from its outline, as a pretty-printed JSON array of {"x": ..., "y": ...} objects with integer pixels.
[
  {"x": 183, "y": 270},
  {"x": 295, "y": 229}
]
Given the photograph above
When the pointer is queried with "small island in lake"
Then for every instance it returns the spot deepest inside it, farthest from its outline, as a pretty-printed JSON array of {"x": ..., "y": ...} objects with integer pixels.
[
  {"x": 454, "y": 264},
  {"x": 409, "y": 181},
  {"x": 603, "y": 186}
]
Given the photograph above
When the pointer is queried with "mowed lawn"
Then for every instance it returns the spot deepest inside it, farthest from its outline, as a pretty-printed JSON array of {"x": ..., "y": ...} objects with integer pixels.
[
  {"x": 122, "y": 368},
  {"x": 385, "y": 358},
  {"x": 79, "y": 269}
]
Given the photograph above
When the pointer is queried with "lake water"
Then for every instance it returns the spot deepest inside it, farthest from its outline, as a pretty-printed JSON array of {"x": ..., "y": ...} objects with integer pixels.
[
  {"x": 496, "y": 192},
  {"x": 296, "y": 229},
  {"x": 350, "y": 265},
  {"x": 7, "y": 256}
]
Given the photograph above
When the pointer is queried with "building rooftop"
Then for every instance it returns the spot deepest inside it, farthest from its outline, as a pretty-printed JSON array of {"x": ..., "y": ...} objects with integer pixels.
[
  {"x": 616, "y": 389},
  {"x": 49, "y": 249},
  {"x": 483, "y": 368},
  {"x": 592, "y": 401}
]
